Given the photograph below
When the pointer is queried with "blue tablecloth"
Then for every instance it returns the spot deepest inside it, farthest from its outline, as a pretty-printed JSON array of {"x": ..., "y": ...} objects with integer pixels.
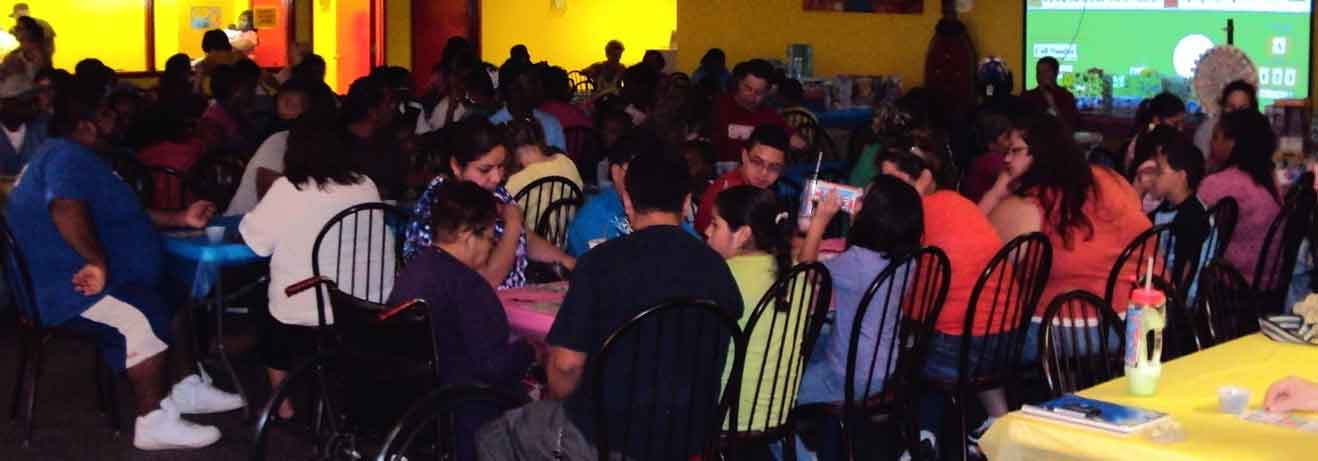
[
  {"x": 191, "y": 258},
  {"x": 845, "y": 119}
]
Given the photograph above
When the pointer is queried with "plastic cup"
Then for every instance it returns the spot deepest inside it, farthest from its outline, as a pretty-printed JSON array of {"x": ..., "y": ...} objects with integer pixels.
[
  {"x": 1232, "y": 399},
  {"x": 215, "y": 234}
]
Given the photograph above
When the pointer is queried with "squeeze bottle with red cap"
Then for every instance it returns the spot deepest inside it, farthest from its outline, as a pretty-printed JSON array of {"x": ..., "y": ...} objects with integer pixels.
[{"x": 1145, "y": 320}]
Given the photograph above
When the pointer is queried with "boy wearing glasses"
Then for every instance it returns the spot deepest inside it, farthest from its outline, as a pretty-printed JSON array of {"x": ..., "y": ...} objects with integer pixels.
[{"x": 761, "y": 165}]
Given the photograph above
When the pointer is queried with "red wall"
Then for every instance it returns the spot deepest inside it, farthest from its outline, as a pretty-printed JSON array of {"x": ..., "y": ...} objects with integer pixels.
[
  {"x": 433, "y": 22},
  {"x": 273, "y": 51}
]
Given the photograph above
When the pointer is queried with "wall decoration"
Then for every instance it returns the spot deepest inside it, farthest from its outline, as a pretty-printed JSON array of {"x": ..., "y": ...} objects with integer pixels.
[
  {"x": 205, "y": 17},
  {"x": 866, "y": 6}
]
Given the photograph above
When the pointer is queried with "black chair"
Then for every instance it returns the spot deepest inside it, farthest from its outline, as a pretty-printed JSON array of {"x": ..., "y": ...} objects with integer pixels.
[
  {"x": 1276, "y": 261},
  {"x": 913, "y": 290},
  {"x": 369, "y": 236},
  {"x": 577, "y": 77},
  {"x": 536, "y": 197},
  {"x": 671, "y": 432},
  {"x": 32, "y": 338},
  {"x": 586, "y": 150},
  {"x": 1225, "y": 308},
  {"x": 427, "y": 429},
  {"x": 216, "y": 180},
  {"x": 555, "y": 220},
  {"x": 1012, "y": 283},
  {"x": 138, "y": 178},
  {"x": 1069, "y": 360},
  {"x": 1158, "y": 242},
  {"x": 368, "y": 344},
  {"x": 679, "y": 80},
  {"x": 787, "y": 320},
  {"x": 1223, "y": 217},
  {"x": 169, "y": 189},
  {"x": 586, "y": 86}
]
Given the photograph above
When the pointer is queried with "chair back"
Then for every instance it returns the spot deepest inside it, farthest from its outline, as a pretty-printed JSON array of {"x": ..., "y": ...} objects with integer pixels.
[
  {"x": 360, "y": 249},
  {"x": 18, "y": 279},
  {"x": 1016, "y": 274},
  {"x": 216, "y": 180},
  {"x": 904, "y": 301},
  {"x": 586, "y": 150},
  {"x": 785, "y": 324},
  {"x": 679, "y": 80},
  {"x": 577, "y": 77},
  {"x": 1158, "y": 242},
  {"x": 1081, "y": 342},
  {"x": 682, "y": 401},
  {"x": 555, "y": 220},
  {"x": 1225, "y": 308},
  {"x": 1276, "y": 261},
  {"x": 169, "y": 190},
  {"x": 536, "y": 197},
  {"x": 1223, "y": 217},
  {"x": 429, "y": 428}
]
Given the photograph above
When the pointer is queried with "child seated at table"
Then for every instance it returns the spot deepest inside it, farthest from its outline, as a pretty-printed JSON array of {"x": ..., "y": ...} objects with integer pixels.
[
  {"x": 888, "y": 225},
  {"x": 525, "y": 140},
  {"x": 1180, "y": 169},
  {"x": 466, "y": 316},
  {"x": 751, "y": 231}
]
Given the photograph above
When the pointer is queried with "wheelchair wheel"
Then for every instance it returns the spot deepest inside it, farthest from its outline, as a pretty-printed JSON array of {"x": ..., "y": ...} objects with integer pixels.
[{"x": 318, "y": 429}]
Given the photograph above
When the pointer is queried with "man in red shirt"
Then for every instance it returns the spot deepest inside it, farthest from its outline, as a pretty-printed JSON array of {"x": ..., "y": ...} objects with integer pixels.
[
  {"x": 737, "y": 114},
  {"x": 1051, "y": 98},
  {"x": 761, "y": 165}
]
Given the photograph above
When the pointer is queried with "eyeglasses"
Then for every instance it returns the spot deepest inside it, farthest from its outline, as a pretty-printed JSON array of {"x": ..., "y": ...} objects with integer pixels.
[{"x": 758, "y": 162}]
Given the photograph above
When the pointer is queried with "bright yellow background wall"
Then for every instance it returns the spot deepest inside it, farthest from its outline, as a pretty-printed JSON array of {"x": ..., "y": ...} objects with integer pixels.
[
  {"x": 113, "y": 31},
  {"x": 844, "y": 43},
  {"x": 325, "y": 38},
  {"x": 398, "y": 32},
  {"x": 575, "y": 36},
  {"x": 174, "y": 33}
]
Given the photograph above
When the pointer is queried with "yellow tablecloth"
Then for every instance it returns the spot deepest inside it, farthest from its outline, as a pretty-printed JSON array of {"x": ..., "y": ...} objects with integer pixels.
[{"x": 1188, "y": 392}]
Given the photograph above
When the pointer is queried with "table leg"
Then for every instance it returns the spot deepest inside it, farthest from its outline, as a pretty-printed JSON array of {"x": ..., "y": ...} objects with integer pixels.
[{"x": 219, "y": 345}]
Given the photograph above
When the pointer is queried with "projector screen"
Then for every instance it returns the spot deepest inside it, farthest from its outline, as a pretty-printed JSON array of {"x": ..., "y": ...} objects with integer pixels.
[{"x": 1146, "y": 46}]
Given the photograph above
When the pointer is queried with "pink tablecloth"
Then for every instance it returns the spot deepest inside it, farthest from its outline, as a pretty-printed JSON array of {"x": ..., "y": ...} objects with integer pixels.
[
  {"x": 831, "y": 247},
  {"x": 531, "y": 309}
]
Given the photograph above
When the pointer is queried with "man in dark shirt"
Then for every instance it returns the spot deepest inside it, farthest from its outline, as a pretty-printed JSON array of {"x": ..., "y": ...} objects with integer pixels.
[
  {"x": 611, "y": 284},
  {"x": 1051, "y": 98},
  {"x": 368, "y": 111}
]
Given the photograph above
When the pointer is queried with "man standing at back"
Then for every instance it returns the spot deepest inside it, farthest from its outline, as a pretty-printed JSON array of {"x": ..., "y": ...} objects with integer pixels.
[
  {"x": 1049, "y": 97},
  {"x": 24, "y": 126},
  {"x": 47, "y": 33},
  {"x": 611, "y": 284}
]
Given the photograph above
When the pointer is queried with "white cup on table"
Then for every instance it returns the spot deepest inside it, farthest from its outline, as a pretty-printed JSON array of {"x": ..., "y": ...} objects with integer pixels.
[{"x": 215, "y": 234}]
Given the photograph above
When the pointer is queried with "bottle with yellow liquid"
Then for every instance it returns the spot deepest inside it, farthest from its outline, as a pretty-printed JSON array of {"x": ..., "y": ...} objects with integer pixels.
[{"x": 1145, "y": 320}]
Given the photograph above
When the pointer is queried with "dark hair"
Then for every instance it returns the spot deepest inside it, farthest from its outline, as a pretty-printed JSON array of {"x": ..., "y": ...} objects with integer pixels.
[
  {"x": 509, "y": 72},
  {"x": 178, "y": 66},
  {"x": 1148, "y": 144},
  {"x": 71, "y": 109},
  {"x": 472, "y": 139},
  {"x": 1243, "y": 86},
  {"x": 364, "y": 95},
  {"x": 714, "y": 59},
  {"x": 659, "y": 61},
  {"x": 639, "y": 85},
  {"x": 771, "y": 226},
  {"x": 658, "y": 183},
  {"x": 248, "y": 70},
  {"x": 453, "y": 47},
  {"x": 461, "y": 206},
  {"x": 520, "y": 53},
  {"x": 312, "y": 67},
  {"x": 1059, "y": 177},
  {"x": 215, "y": 40},
  {"x": 770, "y": 135},
  {"x": 316, "y": 153},
  {"x": 1254, "y": 145},
  {"x": 557, "y": 85},
  {"x": 28, "y": 28},
  {"x": 1182, "y": 155},
  {"x": 791, "y": 91},
  {"x": 93, "y": 75},
  {"x": 757, "y": 67},
  {"x": 178, "y": 117},
  {"x": 251, "y": 21},
  {"x": 478, "y": 81},
  {"x": 891, "y": 219},
  {"x": 523, "y": 132},
  {"x": 224, "y": 82},
  {"x": 704, "y": 148},
  {"x": 636, "y": 142},
  {"x": 1049, "y": 60}
]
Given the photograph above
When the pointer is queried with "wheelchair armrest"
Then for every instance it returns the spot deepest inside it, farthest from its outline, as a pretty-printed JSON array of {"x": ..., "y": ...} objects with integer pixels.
[
  {"x": 400, "y": 308},
  {"x": 306, "y": 284}
]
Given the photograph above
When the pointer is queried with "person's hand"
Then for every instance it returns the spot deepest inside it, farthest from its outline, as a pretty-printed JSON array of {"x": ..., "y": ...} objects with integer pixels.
[
  {"x": 568, "y": 262},
  {"x": 826, "y": 209},
  {"x": 89, "y": 280},
  {"x": 511, "y": 214},
  {"x": 1292, "y": 394},
  {"x": 197, "y": 215}
]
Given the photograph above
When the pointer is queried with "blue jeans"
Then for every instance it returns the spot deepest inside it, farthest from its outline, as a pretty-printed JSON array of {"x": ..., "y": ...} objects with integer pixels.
[
  {"x": 819, "y": 384},
  {"x": 1065, "y": 336}
]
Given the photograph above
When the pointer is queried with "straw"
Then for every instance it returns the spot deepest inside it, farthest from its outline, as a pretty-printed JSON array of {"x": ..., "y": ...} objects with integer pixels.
[
  {"x": 1148, "y": 275},
  {"x": 819, "y": 161}
]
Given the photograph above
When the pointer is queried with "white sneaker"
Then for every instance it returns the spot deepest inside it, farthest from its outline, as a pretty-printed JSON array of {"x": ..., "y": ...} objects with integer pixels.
[
  {"x": 163, "y": 429},
  {"x": 195, "y": 395}
]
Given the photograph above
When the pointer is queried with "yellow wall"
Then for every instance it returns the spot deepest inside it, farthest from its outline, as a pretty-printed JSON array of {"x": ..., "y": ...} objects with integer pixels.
[
  {"x": 844, "y": 43},
  {"x": 398, "y": 33},
  {"x": 113, "y": 31},
  {"x": 325, "y": 38},
  {"x": 574, "y": 37}
]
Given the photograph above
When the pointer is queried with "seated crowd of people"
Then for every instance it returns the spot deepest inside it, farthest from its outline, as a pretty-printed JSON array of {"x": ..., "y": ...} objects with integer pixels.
[{"x": 662, "y": 224}]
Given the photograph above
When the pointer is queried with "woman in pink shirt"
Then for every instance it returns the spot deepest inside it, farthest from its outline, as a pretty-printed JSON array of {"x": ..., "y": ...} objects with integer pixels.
[{"x": 1248, "y": 178}]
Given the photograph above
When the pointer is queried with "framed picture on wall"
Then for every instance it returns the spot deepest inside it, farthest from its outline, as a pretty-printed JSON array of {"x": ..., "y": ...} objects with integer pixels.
[{"x": 866, "y": 6}]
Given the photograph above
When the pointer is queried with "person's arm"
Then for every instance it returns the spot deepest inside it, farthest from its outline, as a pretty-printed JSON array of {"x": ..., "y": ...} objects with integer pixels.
[
  {"x": 262, "y": 227},
  {"x": 1014, "y": 217},
  {"x": 505, "y": 252},
  {"x": 539, "y": 249},
  {"x": 265, "y": 177},
  {"x": 195, "y": 216},
  {"x": 564, "y": 371},
  {"x": 814, "y": 235},
  {"x": 485, "y": 331},
  {"x": 74, "y": 224},
  {"x": 1292, "y": 394},
  {"x": 1001, "y": 189}
]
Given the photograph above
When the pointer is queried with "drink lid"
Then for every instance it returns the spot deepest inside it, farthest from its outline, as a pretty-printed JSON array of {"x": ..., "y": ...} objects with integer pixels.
[{"x": 1148, "y": 297}]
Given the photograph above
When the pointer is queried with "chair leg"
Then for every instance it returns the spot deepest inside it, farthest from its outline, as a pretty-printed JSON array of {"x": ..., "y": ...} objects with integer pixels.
[
  {"x": 20, "y": 375},
  {"x": 109, "y": 381},
  {"x": 32, "y": 374}
]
